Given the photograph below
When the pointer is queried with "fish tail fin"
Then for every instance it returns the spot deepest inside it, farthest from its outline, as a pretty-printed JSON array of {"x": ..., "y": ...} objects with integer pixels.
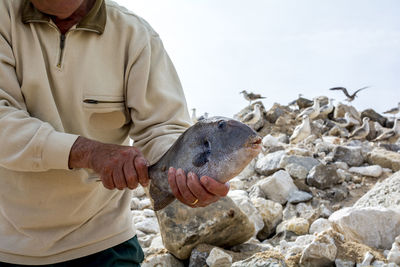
[{"x": 160, "y": 198}]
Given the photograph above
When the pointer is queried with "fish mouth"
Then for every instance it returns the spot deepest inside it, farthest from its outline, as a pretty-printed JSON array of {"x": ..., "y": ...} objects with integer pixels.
[{"x": 255, "y": 143}]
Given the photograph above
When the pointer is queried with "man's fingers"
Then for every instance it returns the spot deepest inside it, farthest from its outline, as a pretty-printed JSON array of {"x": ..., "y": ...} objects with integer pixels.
[
  {"x": 183, "y": 188},
  {"x": 130, "y": 175},
  {"x": 142, "y": 170},
  {"x": 215, "y": 187},
  {"x": 199, "y": 191},
  {"x": 107, "y": 181},
  {"x": 119, "y": 178},
  {"x": 173, "y": 185}
]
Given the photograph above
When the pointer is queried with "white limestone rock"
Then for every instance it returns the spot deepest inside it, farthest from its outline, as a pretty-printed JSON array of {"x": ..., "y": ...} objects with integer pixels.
[
  {"x": 321, "y": 252},
  {"x": 242, "y": 200},
  {"x": 277, "y": 187},
  {"x": 394, "y": 253},
  {"x": 375, "y": 226},
  {"x": 271, "y": 214},
  {"x": 219, "y": 258},
  {"x": 162, "y": 259},
  {"x": 148, "y": 225},
  {"x": 320, "y": 225},
  {"x": 372, "y": 171}
]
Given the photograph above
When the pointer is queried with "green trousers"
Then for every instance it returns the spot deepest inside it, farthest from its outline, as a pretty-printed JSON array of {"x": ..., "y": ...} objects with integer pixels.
[{"x": 127, "y": 254}]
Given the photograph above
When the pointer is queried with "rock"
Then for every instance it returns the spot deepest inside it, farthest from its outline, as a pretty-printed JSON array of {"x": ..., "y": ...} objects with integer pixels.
[
  {"x": 391, "y": 147},
  {"x": 323, "y": 176},
  {"x": 165, "y": 259},
  {"x": 148, "y": 225},
  {"x": 135, "y": 203},
  {"x": 299, "y": 196},
  {"x": 343, "y": 263},
  {"x": 337, "y": 193},
  {"x": 276, "y": 111},
  {"x": 271, "y": 213},
  {"x": 262, "y": 259},
  {"x": 277, "y": 239},
  {"x": 270, "y": 141},
  {"x": 320, "y": 225},
  {"x": 302, "y": 210},
  {"x": 341, "y": 109},
  {"x": 269, "y": 164},
  {"x": 385, "y": 194},
  {"x": 374, "y": 116},
  {"x": 394, "y": 253},
  {"x": 220, "y": 224},
  {"x": 384, "y": 158},
  {"x": 344, "y": 175},
  {"x": 296, "y": 247},
  {"x": 138, "y": 192},
  {"x": 350, "y": 155},
  {"x": 296, "y": 171},
  {"x": 218, "y": 258},
  {"x": 321, "y": 252},
  {"x": 368, "y": 258},
  {"x": 299, "y": 226},
  {"x": 306, "y": 162},
  {"x": 253, "y": 245},
  {"x": 376, "y": 227},
  {"x": 246, "y": 205},
  {"x": 373, "y": 170},
  {"x": 156, "y": 247},
  {"x": 277, "y": 187}
]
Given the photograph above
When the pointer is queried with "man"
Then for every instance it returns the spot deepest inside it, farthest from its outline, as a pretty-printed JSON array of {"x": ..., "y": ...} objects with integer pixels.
[{"x": 77, "y": 78}]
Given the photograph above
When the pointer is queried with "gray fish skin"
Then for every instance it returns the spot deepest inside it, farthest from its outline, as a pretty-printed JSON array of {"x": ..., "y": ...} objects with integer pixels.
[{"x": 217, "y": 147}]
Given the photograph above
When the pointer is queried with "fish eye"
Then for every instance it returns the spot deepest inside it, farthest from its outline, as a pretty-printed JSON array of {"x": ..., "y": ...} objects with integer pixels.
[
  {"x": 206, "y": 143},
  {"x": 221, "y": 124}
]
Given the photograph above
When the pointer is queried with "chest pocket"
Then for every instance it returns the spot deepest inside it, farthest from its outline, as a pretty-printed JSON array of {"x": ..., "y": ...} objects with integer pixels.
[{"x": 105, "y": 112}]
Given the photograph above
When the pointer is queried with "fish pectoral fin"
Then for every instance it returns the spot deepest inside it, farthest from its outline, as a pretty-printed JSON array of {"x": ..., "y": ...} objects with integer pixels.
[
  {"x": 201, "y": 159},
  {"x": 160, "y": 198}
]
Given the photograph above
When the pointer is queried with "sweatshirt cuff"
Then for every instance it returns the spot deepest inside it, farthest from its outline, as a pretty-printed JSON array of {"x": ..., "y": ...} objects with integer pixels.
[{"x": 56, "y": 150}]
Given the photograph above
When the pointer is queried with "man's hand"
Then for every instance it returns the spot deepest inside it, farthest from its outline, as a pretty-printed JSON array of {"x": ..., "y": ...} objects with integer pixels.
[
  {"x": 118, "y": 166},
  {"x": 193, "y": 191}
]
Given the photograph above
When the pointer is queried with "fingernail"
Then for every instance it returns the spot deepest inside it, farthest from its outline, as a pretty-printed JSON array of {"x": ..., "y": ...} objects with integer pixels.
[{"x": 190, "y": 175}]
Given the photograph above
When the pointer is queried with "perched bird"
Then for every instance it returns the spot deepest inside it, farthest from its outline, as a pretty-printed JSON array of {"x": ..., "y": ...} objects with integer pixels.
[
  {"x": 347, "y": 121},
  {"x": 390, "y": 134},
  {"x": 362, "y": 131},
  {"x": 250, "y": 96},
  {"x": 302, "y": 131},
  {"x": 393, "y": 111},
  {"x": 193, "y": 116},
  {"x": 311, "y": 112},
  {"x": 254, "y": 119},
  {"x": 326, "y": 109},
  {"x": 349, "y": 97},
  {"x": 203, "y": 117}
]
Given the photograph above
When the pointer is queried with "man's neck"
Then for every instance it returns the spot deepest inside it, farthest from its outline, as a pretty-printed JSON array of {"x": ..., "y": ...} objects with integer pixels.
[{"x": 65, "y": 24}]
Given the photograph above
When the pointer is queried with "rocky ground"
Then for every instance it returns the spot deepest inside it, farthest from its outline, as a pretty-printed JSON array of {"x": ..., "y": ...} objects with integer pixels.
[{"x": 325, "y": 191}]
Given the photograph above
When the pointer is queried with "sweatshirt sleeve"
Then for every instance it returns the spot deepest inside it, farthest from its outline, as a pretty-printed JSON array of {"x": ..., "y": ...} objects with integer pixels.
[
  {"x": 27, "y": 144},
  {"x": 156, "y": 101}
]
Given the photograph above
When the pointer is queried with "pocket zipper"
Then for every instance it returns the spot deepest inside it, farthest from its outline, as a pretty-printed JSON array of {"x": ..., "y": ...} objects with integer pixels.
[{"x": 94, "y": 101}]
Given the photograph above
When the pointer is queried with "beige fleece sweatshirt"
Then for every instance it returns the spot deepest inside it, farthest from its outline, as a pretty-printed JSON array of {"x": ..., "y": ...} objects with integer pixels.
[{"x": 108, "y": 78}]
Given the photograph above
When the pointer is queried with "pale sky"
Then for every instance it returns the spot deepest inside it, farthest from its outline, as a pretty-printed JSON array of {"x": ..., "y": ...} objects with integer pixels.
[{"x": 279, "y": 48}]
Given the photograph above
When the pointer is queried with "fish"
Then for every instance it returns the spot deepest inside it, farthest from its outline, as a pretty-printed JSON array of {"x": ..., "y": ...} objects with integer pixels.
[{"x": 217, "y": 147}]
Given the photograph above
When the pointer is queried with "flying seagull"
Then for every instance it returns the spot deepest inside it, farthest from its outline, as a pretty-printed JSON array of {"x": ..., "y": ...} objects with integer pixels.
[
  {"x": 250, "y": 96},
  {"x": 393, "y": 111},
  {"x": 349, "y": 97}
]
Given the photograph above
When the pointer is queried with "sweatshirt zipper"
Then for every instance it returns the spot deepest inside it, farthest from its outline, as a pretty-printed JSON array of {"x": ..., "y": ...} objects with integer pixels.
[
  {"x": 62, "y": 45},
  {"x": 94, "y": 101}
]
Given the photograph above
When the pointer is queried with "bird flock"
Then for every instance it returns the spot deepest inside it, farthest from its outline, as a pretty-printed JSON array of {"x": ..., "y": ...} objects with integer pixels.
[{"x": 349, "y": 126}]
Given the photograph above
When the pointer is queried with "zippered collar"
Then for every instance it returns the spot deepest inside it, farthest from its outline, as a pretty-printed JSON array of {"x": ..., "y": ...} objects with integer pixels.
[{"x": 94, "y": 21}]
